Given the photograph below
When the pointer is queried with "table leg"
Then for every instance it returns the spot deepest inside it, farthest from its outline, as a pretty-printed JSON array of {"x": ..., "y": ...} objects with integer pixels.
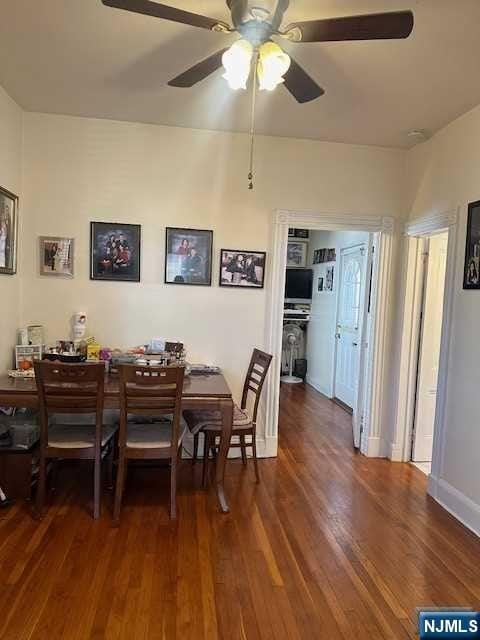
[{"x": 226, "y": 409}]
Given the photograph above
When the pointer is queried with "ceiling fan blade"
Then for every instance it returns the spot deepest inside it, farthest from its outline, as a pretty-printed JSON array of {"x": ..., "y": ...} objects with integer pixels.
[
  {"x": 199, "y": 72},
  {"x": 157, "y": 10},
  {"x": 302, "y": 87},
  {"x": 377, "y": 26}
]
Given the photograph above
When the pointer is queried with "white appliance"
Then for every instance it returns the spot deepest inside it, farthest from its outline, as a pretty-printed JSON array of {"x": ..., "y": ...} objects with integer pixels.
[{"x": 292, "y": 343}]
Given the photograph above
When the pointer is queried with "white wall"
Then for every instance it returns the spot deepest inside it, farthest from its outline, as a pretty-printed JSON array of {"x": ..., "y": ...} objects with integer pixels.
[
  {"x": 444, "y": 174},
  {"x": 321, "y": 329},
  {"x": 10, "y": 179},
  {"x": 77, "y": 170}
]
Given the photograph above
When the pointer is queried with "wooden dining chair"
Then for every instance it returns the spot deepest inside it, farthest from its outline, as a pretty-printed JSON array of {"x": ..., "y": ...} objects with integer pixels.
[
  {"x": 72, "y": 389},
  {"x": 244, "y": 422},
  {"x": 153, "y": 392}
]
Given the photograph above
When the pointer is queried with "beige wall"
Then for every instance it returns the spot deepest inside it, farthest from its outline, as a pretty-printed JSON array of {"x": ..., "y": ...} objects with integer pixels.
[
  {"x": 11, "y": 179},
  {"x": 78, "y": 170},
  {"x": 444, "y": 174}
]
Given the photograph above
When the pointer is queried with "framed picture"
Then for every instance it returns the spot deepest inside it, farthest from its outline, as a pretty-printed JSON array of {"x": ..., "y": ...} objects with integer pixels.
[
  {"x": 471, "y": 279},
  {"x": 8, "y": 232},
  {"x": 188, "y": 256},
  {"x": 296, "y": 253},
  {"x": 26, "y": 356},
  {"x": 115, "y": 251},
  {"x": 244, "y": 269},
  {"x": 329, "y": 279},
  {"x": 56, "y": 256},
  {"x": 324, "y": 255},
  {"x": 302, "y": 233}
]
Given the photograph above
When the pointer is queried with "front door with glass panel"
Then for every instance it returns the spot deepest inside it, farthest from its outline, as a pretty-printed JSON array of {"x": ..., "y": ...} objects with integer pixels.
[{"x": 348, "y": 330}]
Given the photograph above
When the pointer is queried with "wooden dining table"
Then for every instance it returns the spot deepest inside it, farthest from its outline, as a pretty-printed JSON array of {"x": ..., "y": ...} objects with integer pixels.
[{"x": 200, "y": 392}]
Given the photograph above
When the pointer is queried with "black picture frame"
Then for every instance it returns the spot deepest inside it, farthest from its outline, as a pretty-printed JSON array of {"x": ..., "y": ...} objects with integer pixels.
[
  {"x": 302, "y": 233},
  {"x": 471, "y": 273},
  {"x": 117, "y": 259},
  {"x": 239, "y": 278},
  {"x": 8, "y": 232},
  {"x": 183, "y": 268}
]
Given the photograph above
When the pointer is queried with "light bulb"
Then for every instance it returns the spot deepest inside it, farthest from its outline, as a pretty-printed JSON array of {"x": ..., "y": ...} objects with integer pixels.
[
  {"x": 237, "y": 62},
  {"x": 273, "y": 64}
]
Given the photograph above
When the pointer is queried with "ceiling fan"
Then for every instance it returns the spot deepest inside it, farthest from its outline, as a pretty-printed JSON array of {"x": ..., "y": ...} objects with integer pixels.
[{"x": 256, "y": 25}]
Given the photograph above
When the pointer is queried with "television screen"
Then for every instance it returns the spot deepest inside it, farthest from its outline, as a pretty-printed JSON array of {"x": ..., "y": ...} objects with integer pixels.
[{"x": 298, "y": 284}]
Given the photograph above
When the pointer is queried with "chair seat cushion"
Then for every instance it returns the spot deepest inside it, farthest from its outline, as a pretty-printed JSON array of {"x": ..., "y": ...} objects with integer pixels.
[
  {"x": 68, "y": 436},
  {"x": 153, "y": 436},
  {"x": 212, "y": 420}
]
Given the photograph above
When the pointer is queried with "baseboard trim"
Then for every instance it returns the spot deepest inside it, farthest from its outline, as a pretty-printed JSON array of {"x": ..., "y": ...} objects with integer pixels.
[
  {"x": 396, "y": 453},
  {"x": 267, "y": 447},
  {"x": 318, "y": 387},
  {"x": 456, "y": 503},
  {"x": 376, "y": 448}
]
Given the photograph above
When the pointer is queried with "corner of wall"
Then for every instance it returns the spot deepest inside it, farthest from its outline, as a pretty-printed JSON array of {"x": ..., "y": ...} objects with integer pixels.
[{"x": 456, "y": 503}]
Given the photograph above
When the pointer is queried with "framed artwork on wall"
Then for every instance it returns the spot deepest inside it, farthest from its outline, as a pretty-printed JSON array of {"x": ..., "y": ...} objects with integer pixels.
[
  {"x": 299, "y": 233},
  {"x": 244, "y": 269},
  {"x": 8, "y": 232},
  {"x": 329, "y": 279},
  {"x": 188, "y": 256},
  {"x": 471, "y": 279},
  {"x": 297, "y": 253},
  {"x": 56, "y": 256},
  {"x": 115, "y": 251}
]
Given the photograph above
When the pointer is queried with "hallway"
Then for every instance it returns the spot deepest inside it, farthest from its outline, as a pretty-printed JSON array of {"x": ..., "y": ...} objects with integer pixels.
[{"x": 329, "y": 546}]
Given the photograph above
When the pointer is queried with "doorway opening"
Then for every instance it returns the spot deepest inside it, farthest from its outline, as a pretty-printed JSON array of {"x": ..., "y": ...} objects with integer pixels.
[
  {"x": 371, "y": 420},
  {"x": 326, "y": 313},
  {"x": 432, "y": 263}
]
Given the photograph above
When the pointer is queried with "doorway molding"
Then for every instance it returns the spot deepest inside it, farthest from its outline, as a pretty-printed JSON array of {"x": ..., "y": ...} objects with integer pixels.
[
  {"x": 415, "y": 233},
  {"x": 374, "y": 442}
]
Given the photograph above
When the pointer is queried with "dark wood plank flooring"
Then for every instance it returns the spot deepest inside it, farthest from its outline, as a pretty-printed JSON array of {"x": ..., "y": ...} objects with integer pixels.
[{"x": 330, "y": 545}]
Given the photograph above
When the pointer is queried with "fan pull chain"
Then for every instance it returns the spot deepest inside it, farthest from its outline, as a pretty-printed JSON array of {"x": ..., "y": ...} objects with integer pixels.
[{"x": 252, "y": 122}]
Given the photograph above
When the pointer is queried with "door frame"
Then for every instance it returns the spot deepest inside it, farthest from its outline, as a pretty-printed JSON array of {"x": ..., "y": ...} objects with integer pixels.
[
  {"x": 362, "y": 338},
  {"x": 375, "y": 424},
  {"x": 414, "y": 270},
  {"x": 424, "y": 267}
]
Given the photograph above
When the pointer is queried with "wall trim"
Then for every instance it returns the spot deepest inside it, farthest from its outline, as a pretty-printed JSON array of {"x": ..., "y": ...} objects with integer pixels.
[
  {"x": 414, "y": 269},
  {"x": 376, "y": 447},
  {"x": 431, "y": 224},
  {"x": 456, "y": 503},
  {"x": 384, "y": 227}
]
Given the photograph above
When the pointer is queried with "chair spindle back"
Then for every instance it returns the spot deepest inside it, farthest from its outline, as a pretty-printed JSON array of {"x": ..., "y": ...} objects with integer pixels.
[{"x": 255, "y": 379}]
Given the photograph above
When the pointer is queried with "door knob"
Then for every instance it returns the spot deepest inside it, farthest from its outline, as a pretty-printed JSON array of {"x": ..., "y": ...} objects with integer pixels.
[
  {"x": 355, "y": 344},
  {"x": 338, "y": 336}
]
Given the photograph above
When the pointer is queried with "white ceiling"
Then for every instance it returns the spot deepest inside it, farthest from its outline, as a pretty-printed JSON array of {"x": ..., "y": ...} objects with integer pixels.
[{"x": 79, "y": 57}]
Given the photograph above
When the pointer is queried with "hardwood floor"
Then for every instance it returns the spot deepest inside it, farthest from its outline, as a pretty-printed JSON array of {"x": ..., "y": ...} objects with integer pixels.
[{"x": 330, "y": 545}]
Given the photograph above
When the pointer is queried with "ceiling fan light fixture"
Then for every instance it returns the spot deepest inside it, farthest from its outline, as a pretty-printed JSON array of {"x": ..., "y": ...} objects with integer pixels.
[
  {"x": 237, "y": 62},
  {"x": 273, "y": 64}
]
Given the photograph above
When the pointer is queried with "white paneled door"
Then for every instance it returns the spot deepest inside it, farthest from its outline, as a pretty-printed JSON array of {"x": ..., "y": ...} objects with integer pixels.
[
  {"x": 348, "y": 330},
  {"x": 429, "y": 355}
]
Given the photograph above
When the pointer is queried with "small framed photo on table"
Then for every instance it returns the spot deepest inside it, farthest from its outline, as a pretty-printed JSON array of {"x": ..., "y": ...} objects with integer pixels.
[
  {"x": 188, "y": 256},
  {"x": 115, "y": 251},
  {"x": 244, "y": 269},
  {"x": 8, "y": 232},
  {"x": 56, "y": 256}
]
